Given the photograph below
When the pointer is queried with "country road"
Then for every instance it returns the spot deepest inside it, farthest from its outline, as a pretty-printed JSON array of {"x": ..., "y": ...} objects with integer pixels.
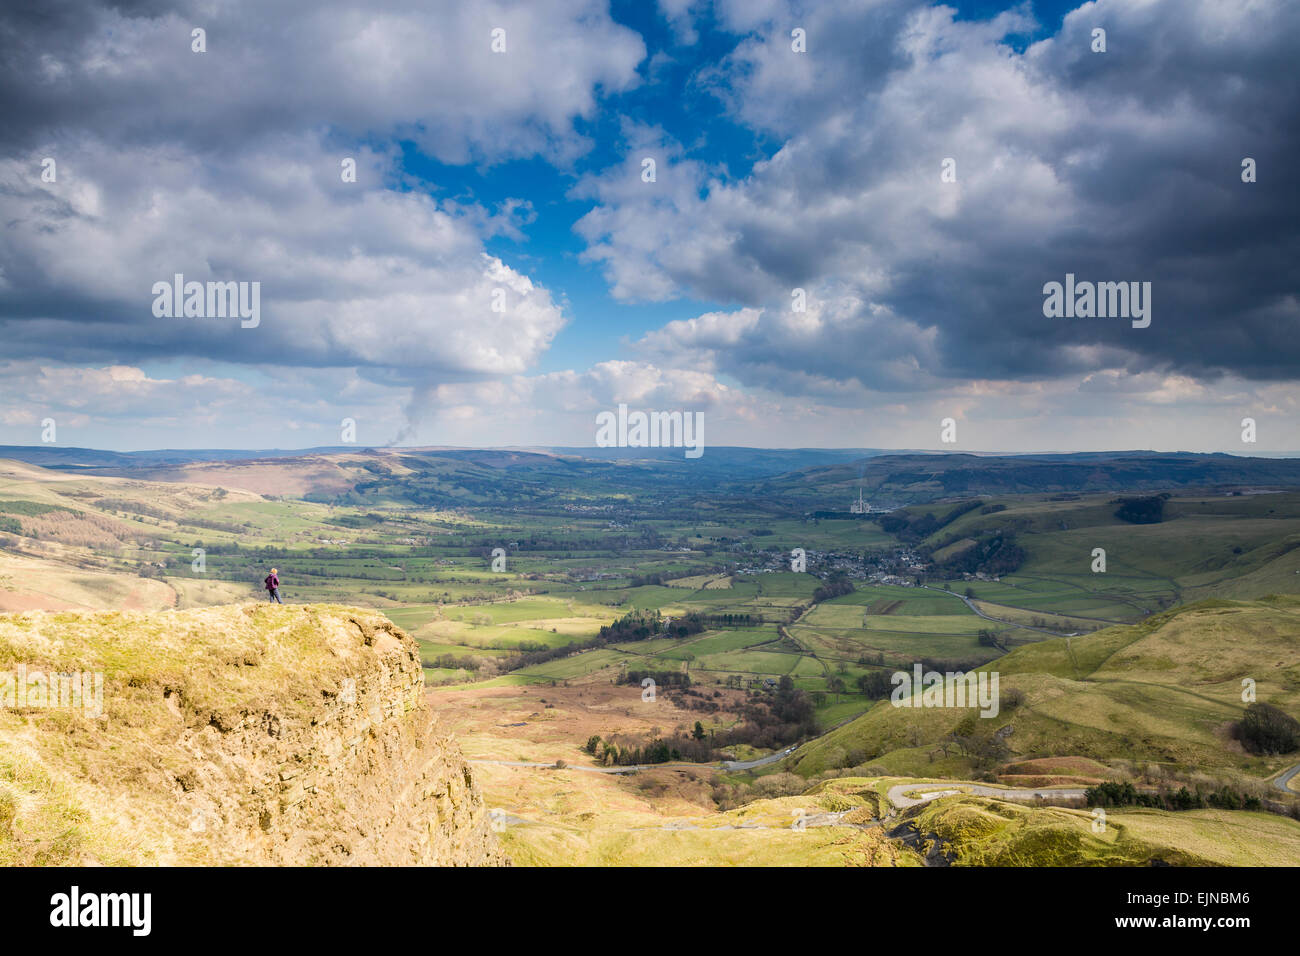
[
  {"x": 633, "y": 768},
  {"x": 803, "y": 820},
  {"x": 897, "y": 795},
  {"x": 896, "y": 792},
  {"x": 974, "y": 610},
  {"x": 552, "y": 766},
  {"x": 764, "y": 761},
  {"x": 1285, "y": 778},
  {"x": 936, "y": 790}
]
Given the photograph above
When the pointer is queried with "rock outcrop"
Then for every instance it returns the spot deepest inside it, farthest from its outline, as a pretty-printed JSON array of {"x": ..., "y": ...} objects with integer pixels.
[{"x": 246, "y": 734}]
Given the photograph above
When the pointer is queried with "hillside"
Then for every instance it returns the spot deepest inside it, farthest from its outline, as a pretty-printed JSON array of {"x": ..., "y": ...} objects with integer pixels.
[
  {"x": 973, "y": 831},
  {"x": 893, "y": 480},
  {"x": 1163, "y": 691},
  {"x": 242, "y": 734}
]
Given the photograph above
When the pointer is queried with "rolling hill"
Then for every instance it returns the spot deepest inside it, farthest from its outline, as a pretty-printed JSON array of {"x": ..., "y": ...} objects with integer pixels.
[{"x": 1162, "y": 692}]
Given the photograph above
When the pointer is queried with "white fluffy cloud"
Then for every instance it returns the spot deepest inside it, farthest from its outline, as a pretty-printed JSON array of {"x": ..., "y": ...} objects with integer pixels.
[
  {"x": 1066, "y": 161},
  {"x": 428, "y": 71},
  {"x": 224, "y": 165},
  {"x": 923, "y": 297},
  {"x": 351, "y": 274}
]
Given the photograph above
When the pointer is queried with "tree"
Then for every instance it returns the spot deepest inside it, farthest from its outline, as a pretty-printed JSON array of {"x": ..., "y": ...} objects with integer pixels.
[
  {"x": 1142, "y": 510},
  {"x": 1266, "y": 729},
  {"x": 876, "y": 685},
  {"x": 698, "y": 732}
]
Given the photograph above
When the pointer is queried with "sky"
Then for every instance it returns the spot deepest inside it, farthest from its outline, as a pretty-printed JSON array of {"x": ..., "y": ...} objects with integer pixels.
[{"x": 853, "y": 214}]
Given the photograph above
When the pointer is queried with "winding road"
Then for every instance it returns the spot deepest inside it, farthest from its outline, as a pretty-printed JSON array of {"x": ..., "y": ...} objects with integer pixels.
[
  {"x": 897, "y": 793},
  {"x": 932, "y": 791},
  {"x": 976, "y": 611},
  {"x": 1285, "y": 778},
  {"x": 554, "y": 765},
  {"x": 633, "y": 768}
]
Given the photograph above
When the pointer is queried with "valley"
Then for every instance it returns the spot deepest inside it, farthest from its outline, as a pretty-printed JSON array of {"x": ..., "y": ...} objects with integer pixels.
[{"x": 646, "y": 621}]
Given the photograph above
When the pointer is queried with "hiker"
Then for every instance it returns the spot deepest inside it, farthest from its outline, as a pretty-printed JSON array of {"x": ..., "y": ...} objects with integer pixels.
[{"x": 273, "y": 587}]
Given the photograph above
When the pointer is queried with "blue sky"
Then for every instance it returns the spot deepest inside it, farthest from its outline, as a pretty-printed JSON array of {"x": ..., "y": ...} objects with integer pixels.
[{"x": 551, "y": 250}]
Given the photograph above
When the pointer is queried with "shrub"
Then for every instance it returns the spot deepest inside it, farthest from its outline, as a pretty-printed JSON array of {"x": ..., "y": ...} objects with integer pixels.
[{"x": 1266, "y": 729}]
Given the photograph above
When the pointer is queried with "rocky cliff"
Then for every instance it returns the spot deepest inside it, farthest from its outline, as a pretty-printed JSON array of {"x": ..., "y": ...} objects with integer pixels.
[{"x": 248, "y": 734}]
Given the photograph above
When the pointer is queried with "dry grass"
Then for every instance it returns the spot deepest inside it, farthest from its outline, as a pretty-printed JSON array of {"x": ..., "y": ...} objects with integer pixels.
[
  {"x": 30, "y": 583},
  {"x": 81, "y": 529},
  {"x": 76, "y": 788}
]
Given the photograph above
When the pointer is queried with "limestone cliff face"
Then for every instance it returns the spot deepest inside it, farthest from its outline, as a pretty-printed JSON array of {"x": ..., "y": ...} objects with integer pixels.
[{"x": 236, "y": 735}]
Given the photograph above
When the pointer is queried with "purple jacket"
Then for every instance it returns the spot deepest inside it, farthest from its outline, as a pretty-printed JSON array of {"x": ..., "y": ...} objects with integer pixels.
[{"x": 272, "y": 582}]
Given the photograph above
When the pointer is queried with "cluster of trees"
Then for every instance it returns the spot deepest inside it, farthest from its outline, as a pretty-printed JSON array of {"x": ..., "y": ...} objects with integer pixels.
[
  {"x": 32, "y": 509},
  {"x": 693, "y": 699},
  {"x": 727, "y": 620},
  {"x": 912, "y": 528},
  {"x": 643, "y": 580},
  {"x": 367, "y": 520},
  {"x": 984, "y": 749},
  {"x": 836, "y": 585},
  {"x": 1115, "y": 794},
  {"x": 1267, "y": 730},
  {"x": 997, "y": 554},
  {"x": 769, "y": 719},
  {"x": 1150, "y": 510},
  {"x": 908, "y": 527},
  {"x": 544, "y": 654},
  {"x": 635, "y": 626},
  {"x": 452, "y": 662},
  {"x": 876, "y": 685},
  {"x": 624, "y": 752},
  {"x": 640, "y": 625}
]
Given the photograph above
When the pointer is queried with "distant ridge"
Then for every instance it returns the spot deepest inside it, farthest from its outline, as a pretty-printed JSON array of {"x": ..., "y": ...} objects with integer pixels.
[{"x": 803, "y": 479}]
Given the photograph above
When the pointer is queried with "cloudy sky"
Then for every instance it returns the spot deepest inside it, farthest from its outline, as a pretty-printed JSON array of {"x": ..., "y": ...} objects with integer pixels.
[{"x": 504, "y": 267}]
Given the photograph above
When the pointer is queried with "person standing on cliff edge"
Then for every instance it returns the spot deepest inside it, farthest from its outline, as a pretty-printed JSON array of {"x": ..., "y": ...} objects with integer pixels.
[{"x": 273, "y": 587}]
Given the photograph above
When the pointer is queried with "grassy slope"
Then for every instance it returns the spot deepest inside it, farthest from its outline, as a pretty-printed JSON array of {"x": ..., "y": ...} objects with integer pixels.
[
  {"x": 984, "y": 832},
  {"x": 1159, "y": 691},
  {"x": 78, "y": 788},
  {"x": 605, "y": 822}
]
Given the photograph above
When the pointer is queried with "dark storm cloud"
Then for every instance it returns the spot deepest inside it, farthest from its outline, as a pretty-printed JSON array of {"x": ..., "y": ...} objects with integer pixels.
[
  {"x": 126, "y": 72},
  {"x": 1115, "y": 166}
]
